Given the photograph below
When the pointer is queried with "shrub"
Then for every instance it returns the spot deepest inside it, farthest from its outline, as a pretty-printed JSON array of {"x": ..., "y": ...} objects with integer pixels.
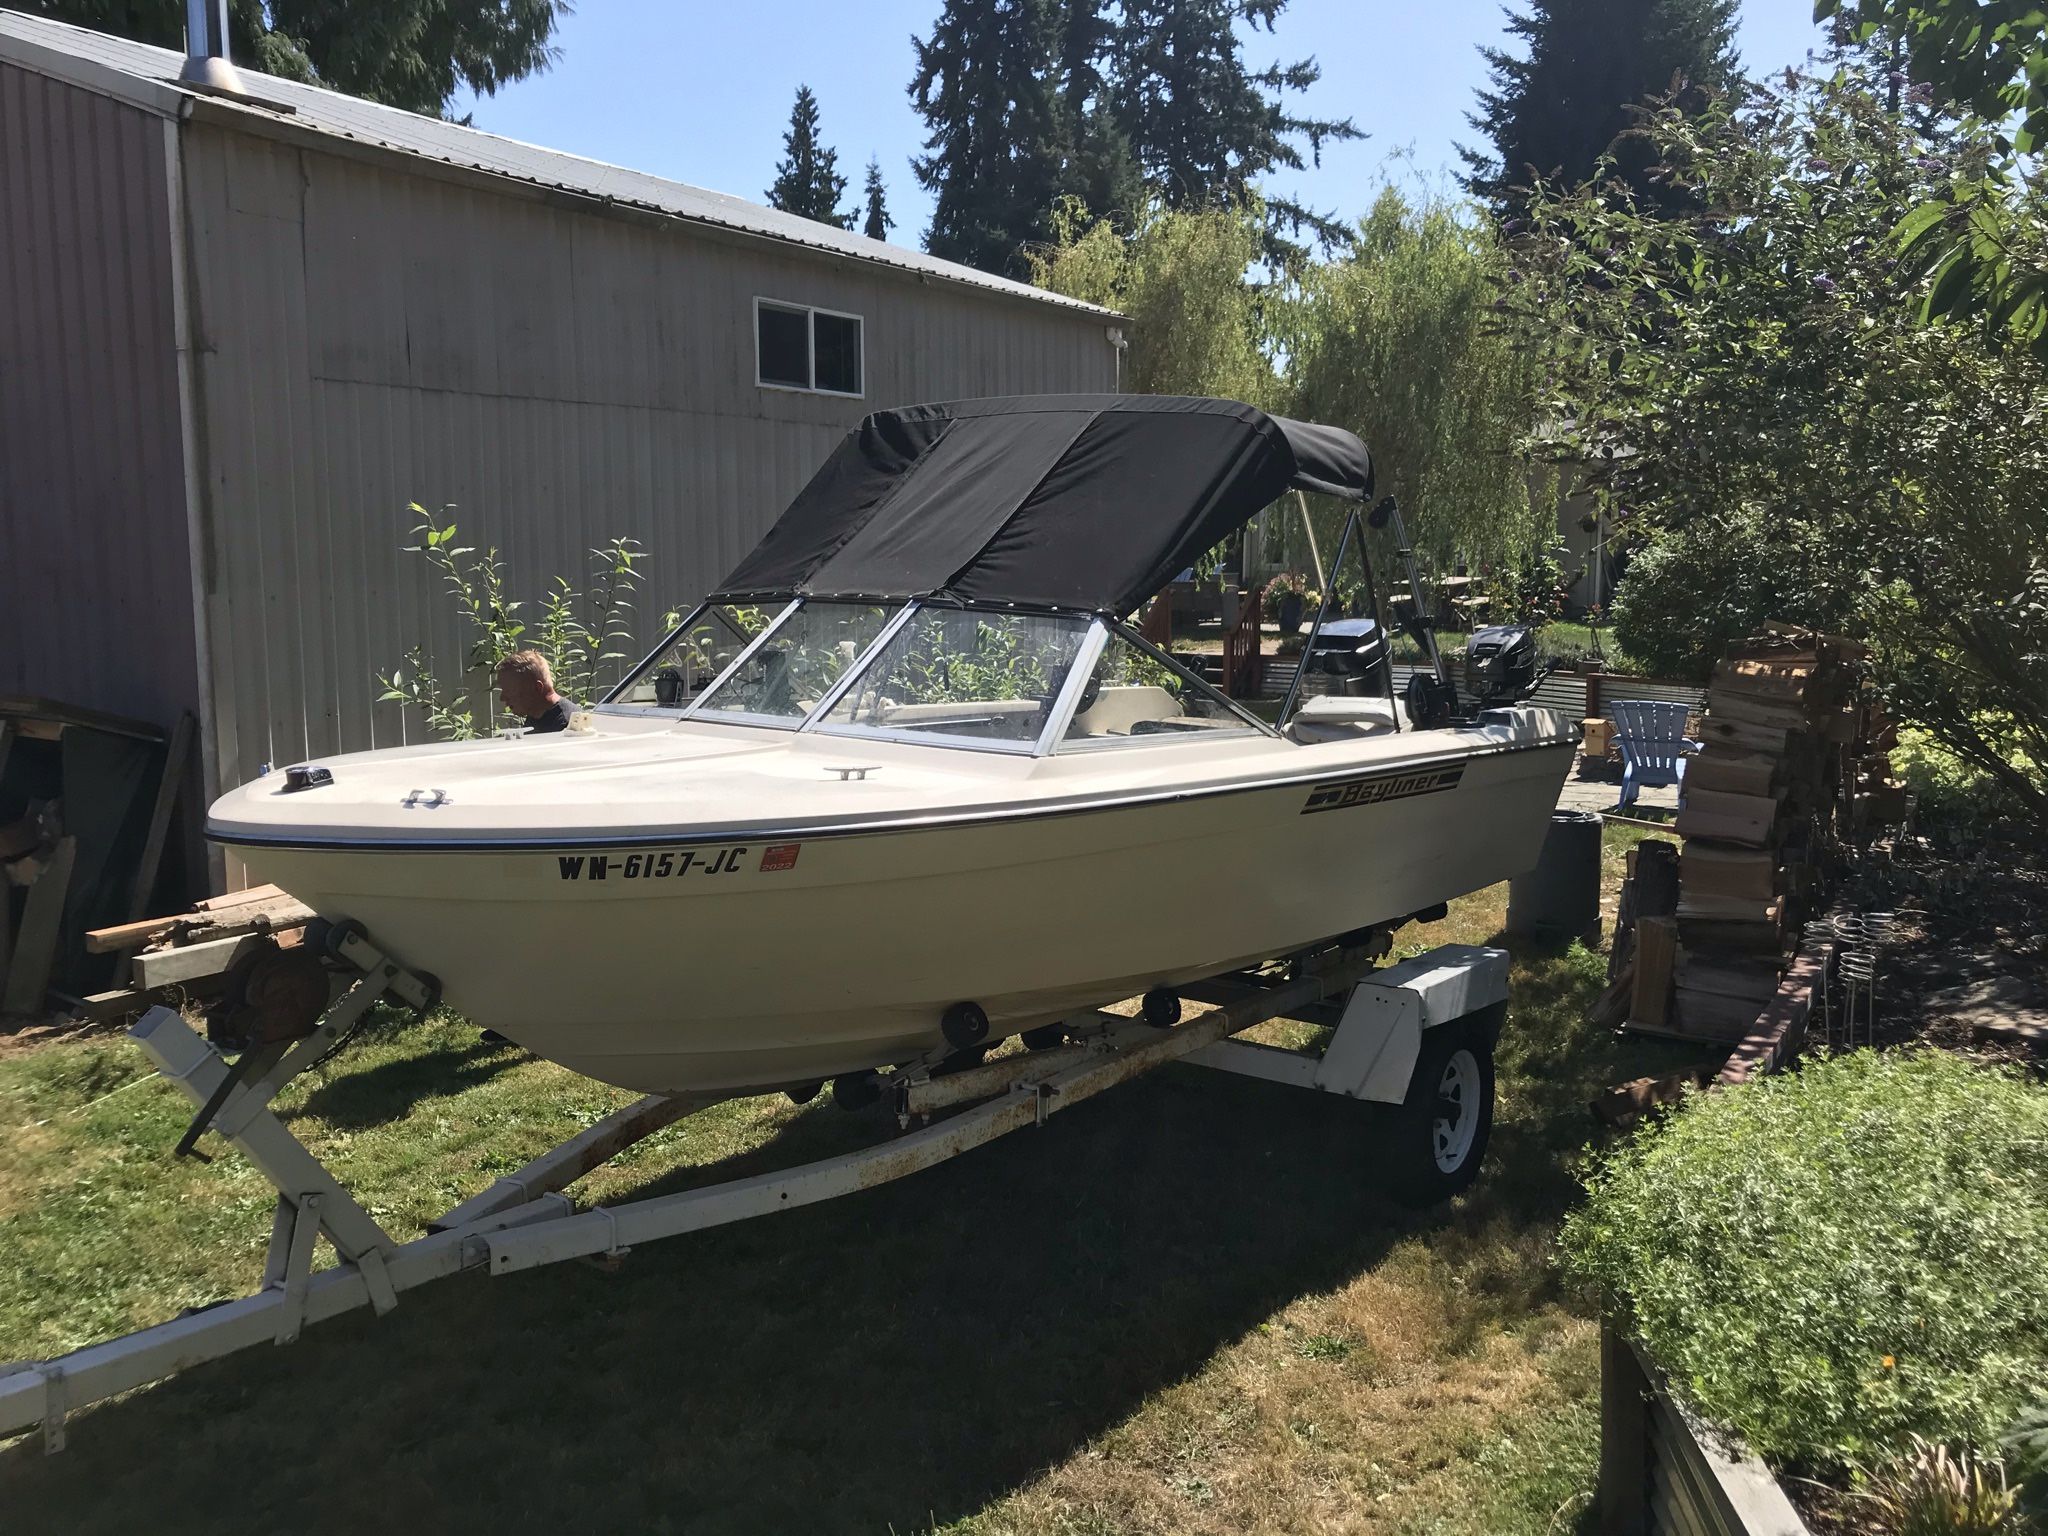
[{"x": 1832, "y": 1260}]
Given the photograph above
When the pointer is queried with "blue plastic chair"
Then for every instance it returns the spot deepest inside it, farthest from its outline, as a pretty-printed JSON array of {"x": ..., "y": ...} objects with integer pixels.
[{"x": 1653, "y": 746}]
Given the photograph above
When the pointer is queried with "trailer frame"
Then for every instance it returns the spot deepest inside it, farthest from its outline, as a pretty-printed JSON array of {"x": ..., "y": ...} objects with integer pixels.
[{"x": 1377, "y": 1052}]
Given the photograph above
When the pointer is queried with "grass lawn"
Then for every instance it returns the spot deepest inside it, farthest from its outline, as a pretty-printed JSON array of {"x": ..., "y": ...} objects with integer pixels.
[{"x": 1181, "y": 1307}]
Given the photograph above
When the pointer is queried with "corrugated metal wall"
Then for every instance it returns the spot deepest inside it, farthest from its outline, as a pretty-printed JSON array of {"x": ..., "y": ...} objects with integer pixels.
[
  {"x": 95, "y": 604},
  {"x": 369, "y": 336}
]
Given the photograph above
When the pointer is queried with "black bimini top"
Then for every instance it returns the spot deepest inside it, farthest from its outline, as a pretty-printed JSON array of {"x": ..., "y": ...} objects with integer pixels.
[{"x": 1082, "y": 502}]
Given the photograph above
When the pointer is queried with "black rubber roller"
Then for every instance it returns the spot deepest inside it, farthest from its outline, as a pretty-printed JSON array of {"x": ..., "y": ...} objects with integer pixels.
[{"x": 964, "y": 1025}]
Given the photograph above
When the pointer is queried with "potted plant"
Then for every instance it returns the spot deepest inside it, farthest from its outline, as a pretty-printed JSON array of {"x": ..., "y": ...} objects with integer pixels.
[{"x": 1286, "y": 598}]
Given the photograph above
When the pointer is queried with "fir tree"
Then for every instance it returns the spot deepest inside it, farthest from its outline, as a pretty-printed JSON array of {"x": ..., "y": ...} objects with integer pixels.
[
  {"x": 807, "y": 182},
  {"x": 415, "y": 54},
  {"x": 1588, "y": 65},
  {"x": 1200, "y": 124},
  {"x": 879, "y": 223},
  {"x": 987, "y": 86}
]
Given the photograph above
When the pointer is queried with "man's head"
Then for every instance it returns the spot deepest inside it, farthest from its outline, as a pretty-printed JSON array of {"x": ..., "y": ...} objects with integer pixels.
[{"x": 525, "y": 684}]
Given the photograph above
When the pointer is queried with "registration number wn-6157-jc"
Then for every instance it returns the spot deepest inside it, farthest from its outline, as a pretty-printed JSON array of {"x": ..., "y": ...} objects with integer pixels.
[{"x": 675, "y": 863}]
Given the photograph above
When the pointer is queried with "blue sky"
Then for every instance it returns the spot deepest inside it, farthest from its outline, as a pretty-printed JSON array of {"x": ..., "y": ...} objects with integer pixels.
[{"x": 701, "y": 93}]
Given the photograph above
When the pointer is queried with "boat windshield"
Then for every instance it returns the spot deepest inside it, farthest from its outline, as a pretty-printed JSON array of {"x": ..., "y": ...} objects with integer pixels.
[
  {"x": 706, "y": 643},
  {"x": 1135, "y": 694},
  {"x": 794, "y": 664},
  {"x": 956, "y": 673}
]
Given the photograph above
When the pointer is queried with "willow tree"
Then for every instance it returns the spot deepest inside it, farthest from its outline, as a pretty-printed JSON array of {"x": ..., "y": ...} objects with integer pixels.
[
  {"x": 1197, "y": 322},
  {"x": 1402, "y": 342}
]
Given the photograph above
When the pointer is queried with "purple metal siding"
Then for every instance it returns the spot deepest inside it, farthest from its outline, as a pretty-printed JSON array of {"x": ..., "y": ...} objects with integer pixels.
[{"x": 95, "y": 581}]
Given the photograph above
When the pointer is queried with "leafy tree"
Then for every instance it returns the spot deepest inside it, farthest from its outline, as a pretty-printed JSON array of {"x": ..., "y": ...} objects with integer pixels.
[
  {"x": 1983, "y": 238},
  {"x": 1748, "y": 361},
  {"x": 878, "y": 222},
  {"x": 1398, "y": 341},
  {"x": 1197, "y": 325},
  {"x": 807, "y": 182},
  {"x": 988, "y": 90},
  {"x": 1553, "y": 113},
  {"x": 414, "y": 54},
  {"x": 1201, "y": 125}
]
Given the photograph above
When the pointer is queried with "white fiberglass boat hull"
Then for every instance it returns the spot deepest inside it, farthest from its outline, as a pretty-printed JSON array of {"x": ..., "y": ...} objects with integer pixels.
[{"x": 733, "y": 952}]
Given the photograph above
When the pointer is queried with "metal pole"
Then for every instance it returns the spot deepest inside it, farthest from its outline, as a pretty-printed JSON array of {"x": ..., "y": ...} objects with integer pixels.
[
  {"x": 1322, "y": 613},
  {"x": 1315, "y": 555}
]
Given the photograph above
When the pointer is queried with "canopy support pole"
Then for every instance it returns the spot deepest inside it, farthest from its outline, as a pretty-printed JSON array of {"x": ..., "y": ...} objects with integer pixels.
[{"x": 1315, "y": 555}]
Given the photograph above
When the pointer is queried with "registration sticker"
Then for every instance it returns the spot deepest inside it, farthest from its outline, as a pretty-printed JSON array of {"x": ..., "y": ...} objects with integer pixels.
[{"x": 781, "y": 856}]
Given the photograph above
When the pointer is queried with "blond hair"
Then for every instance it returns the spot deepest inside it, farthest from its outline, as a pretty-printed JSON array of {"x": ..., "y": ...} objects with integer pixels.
[{"x": 529, "y": 663}]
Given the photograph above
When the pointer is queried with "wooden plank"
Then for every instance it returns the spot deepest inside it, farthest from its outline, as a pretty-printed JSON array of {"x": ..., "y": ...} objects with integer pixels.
[
  {"x": 35, "y": 947},
  {"x": 1732, "y": 771},
  {"x": 1709, "y": 1016},
  {"x": 1715, "y": 814},
  {"x": 53, "y": 717},
  {"x": 237, "y": 898},
  {"x": 197, "y": 927},
  {"x": 159, "y": 967},
  {"x": 1656, "y": 950},
  {"x": 1749, "y": 977},
  {"x": 1706, "y": 869},
  {"x": 167, "y": 788},
  {"x": 1737, "y": 909}
]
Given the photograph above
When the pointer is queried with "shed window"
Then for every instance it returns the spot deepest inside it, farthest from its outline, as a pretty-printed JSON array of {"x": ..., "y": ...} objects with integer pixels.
[{"x": 797, "y": 347}]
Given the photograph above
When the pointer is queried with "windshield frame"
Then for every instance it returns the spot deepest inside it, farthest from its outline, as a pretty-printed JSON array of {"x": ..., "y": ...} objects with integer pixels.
[{"x": 1049, "y": 741}]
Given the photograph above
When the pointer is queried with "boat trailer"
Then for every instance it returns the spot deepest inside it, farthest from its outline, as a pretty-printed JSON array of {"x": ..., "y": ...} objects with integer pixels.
[{"x": 1415, "y": 1038}]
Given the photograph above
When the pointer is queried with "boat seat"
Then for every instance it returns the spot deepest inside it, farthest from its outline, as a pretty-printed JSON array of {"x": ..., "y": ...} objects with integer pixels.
[
  {"x": 1341, "y": 717},
  {"x": 1116, "y": 709}
]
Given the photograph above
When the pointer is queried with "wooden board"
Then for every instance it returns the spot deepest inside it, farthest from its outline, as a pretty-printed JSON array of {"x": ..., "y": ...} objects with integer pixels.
[
  {"x": 1769, "y": 740},
  {"x": 1724, "y": 707},
  {"x": 1730, "y": 770},
  {"x": 195, "y": 927},
  {"x": 151, "y": 861},
  {"x": 1752, "y": 978},
  {"x": 1715, "y": 933},
  {"x": 1739, "y": 909},
  {"x": 1747, "y": 819},
  {"x": 1708, "y": 1016},
  {"x": 35, "y": 947},
  {"x": 1708, "y": 869},
  {"x": 1656, "y": 948}
]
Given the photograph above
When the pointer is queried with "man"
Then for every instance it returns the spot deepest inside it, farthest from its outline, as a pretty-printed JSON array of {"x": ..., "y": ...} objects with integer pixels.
[{"x": 526, "y": 687}]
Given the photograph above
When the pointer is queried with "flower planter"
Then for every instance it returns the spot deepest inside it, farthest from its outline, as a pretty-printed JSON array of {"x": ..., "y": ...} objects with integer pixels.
[{"x": 1663, "y": 1473}]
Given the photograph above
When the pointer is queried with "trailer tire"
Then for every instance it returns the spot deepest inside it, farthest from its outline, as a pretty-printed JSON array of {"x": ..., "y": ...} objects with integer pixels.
[{"x": 1437, "y": 1137}]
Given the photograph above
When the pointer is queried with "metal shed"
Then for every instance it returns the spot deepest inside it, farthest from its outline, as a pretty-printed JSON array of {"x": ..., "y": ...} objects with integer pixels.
[{"x": 239, "y": 334}]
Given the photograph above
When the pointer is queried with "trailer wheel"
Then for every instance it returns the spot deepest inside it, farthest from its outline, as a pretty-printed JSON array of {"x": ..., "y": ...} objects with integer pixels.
[{"x": 1438, "y": 1136}]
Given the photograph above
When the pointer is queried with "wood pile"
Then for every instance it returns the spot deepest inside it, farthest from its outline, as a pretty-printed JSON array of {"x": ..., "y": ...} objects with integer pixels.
[
  {"x": 191, "y": 951},
  {"x": 86, "y": 806},
  {"x": 1794, "y": 763}
]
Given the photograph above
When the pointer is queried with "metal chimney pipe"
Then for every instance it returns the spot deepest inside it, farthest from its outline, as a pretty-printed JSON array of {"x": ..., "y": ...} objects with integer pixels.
[{"x": 206, "y": 48}]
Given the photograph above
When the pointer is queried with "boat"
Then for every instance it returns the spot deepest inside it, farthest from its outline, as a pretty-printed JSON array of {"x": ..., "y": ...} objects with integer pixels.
[{"x": 908, "y": 782}]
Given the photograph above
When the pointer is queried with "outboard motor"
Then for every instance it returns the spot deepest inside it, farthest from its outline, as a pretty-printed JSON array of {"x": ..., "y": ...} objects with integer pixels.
[
  {"x": 1500, "y": 664},
  {"x": 1344, "y": 657}
]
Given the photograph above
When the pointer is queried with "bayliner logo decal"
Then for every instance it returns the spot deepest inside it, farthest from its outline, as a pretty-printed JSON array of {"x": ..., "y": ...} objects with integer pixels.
[{"x": 1375, "y": 788}]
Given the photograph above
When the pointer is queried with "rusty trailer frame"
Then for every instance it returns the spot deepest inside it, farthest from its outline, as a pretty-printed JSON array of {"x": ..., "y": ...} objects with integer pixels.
[{"x": 524, "y": 1220}]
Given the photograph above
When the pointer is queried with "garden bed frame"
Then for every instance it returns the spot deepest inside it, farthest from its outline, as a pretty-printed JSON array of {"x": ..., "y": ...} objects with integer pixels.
[{"x": 1663, "y": 1473}]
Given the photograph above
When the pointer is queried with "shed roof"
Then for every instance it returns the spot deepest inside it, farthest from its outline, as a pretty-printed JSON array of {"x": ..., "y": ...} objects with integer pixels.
[{"x": 148, "y": 77}]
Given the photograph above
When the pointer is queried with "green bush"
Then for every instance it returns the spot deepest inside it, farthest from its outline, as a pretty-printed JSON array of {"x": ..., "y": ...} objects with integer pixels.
[{"x": 1831, "y": 1260}]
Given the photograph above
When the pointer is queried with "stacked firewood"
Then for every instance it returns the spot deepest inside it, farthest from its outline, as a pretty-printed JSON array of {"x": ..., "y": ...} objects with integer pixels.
[{"x": 1793, "y": 764}]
